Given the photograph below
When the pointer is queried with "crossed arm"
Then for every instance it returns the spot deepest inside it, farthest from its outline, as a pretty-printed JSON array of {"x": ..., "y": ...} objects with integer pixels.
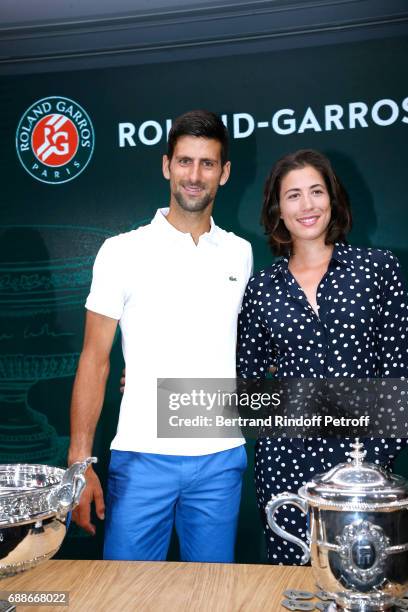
[{"x": 87, "y": 401}]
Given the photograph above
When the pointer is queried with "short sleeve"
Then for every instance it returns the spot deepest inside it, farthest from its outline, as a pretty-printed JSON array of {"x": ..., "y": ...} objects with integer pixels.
[
  {"x": 392, "y": 327},
  {"x": 107, "y": 295}
]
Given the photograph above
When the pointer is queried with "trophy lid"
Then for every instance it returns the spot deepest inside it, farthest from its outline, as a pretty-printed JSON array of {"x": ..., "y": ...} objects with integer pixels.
[{"x": 357, "y": 483}]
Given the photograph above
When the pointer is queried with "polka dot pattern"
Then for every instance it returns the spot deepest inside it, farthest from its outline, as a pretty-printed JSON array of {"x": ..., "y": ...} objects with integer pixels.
[{"x": 360, "y": 331}]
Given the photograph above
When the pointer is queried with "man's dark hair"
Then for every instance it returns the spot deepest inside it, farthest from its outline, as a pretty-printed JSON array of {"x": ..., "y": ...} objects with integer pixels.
[
  {"x": 200, "y": 123},
  {"x": 340, "y": 223}
]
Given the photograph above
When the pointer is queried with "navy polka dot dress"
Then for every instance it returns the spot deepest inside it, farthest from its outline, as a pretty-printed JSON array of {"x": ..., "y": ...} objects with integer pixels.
[{"x": 361, "y": 331}]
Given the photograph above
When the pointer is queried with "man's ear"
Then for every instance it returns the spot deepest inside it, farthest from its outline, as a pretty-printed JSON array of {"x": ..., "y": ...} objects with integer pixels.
[
  {"x": 226, "y": 169},
  {"x": 166, "y": 167}
]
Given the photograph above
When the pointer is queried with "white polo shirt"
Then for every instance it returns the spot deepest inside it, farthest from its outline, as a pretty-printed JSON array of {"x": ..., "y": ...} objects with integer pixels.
[{"x": 177, "y": 304}]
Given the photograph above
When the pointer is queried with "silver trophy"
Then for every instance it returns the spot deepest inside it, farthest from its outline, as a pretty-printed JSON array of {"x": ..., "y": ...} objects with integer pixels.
[
  {"x": 358, "y": 533},
  {"x": 34, "y": 504}
]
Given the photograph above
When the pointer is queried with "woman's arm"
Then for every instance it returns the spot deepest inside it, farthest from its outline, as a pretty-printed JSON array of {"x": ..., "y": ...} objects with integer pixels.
[
  {"x": 255, "y": 350},
  {"x": 392, "y": 326}
]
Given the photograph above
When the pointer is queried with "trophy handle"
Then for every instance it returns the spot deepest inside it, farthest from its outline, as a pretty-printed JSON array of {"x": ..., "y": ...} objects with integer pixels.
[
  {"x": 272, "y": 506},
  {"x": 75, "y": 476},
  {"x": 65, "y": 496}
]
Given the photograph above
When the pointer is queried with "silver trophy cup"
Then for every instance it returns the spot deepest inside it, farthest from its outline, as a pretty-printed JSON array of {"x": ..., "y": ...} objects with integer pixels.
[
  {"x": 34, "y": 504},
  {"x": 358, "y": 533}
]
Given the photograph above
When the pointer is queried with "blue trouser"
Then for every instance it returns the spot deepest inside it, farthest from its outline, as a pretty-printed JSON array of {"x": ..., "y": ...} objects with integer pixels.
[{"x": 148, "y": 493}]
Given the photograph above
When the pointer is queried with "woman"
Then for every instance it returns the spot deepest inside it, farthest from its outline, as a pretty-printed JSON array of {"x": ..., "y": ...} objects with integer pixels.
[{"x": 324, "y": 310}]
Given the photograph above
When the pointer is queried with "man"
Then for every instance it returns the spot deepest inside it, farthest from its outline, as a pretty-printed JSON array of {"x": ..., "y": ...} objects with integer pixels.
[{"x": 176, "y": 287}]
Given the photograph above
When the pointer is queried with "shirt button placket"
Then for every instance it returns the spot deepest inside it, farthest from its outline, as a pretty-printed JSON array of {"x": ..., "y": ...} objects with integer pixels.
[{"x": 320, "y": 352}]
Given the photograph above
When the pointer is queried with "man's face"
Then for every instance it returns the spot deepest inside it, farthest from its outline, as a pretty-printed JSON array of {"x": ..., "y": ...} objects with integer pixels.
[{"x": 195, "y": 172}]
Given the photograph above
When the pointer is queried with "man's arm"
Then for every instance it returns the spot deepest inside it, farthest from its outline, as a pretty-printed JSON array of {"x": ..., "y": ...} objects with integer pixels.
[{"x": 87, "y": 400}]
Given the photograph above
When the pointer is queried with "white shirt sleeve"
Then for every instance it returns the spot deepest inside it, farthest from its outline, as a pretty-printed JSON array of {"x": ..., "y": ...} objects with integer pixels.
[{"x": 107, "y": 295}]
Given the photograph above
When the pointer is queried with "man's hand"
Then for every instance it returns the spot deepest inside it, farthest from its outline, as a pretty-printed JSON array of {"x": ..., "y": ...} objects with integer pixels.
[
  {"x": 123, "y": 381},
  {"x": 87, "y": 399},
  {"x": 92, "y": 493}
]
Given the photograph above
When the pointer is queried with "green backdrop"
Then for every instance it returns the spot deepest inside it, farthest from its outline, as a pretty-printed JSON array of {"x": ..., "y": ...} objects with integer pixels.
[{"x": 45, "y": 271}]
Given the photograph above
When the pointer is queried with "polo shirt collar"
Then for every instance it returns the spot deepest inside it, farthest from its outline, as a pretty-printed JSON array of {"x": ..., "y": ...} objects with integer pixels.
[{"x": 160, "y": 222}]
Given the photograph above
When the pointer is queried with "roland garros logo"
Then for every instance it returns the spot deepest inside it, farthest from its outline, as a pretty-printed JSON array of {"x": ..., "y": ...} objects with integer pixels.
[{"x": 55, "y": 140}]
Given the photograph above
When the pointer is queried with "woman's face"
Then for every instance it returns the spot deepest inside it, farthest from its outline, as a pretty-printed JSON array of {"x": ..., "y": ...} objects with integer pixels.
[{"x": 305, "y": 204}]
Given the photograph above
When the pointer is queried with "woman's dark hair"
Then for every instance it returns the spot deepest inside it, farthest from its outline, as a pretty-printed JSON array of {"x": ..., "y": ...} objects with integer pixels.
[
  {"x": 199, "y": 123},
  {"x": 340, "y": 223}
]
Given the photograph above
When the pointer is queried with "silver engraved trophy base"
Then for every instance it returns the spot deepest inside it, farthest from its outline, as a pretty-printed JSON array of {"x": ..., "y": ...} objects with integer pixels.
[
  {"x": 360, "y": 568},
  {"x": 358, "y": 533},
  {"x": 363, "y": 605},
  {"x": 34, "y": 504}
]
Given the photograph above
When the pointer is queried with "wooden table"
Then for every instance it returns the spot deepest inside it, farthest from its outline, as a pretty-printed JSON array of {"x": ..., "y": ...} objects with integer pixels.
[{"x": 101, "y": 586}]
